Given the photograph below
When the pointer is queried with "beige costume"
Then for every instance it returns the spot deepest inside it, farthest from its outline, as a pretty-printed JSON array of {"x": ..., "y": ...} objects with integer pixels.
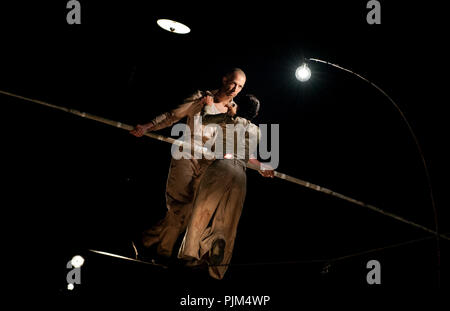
[
  {"x": 218, "y": 203},
  {"x": 183, "y": 179}
]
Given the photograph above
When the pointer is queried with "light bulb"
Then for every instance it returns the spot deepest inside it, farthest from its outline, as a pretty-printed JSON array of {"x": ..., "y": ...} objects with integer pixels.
[{"x": 303, "y": 73}]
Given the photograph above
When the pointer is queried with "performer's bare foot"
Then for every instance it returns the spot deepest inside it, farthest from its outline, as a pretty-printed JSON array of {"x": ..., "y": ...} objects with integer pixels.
[{"x": 216, "y": 252}]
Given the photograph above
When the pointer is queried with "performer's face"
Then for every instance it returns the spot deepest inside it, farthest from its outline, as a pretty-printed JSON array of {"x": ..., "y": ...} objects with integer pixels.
[{"x": 233, "y": 84}]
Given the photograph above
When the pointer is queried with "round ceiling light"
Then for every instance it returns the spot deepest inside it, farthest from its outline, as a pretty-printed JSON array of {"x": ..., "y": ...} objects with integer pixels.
[{"x": 173, "y": 26}]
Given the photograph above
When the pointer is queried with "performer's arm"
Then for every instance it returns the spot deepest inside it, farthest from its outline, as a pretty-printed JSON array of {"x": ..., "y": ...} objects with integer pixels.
[
  {"x": 264, "y": 169},
  {"x": 190, "y": 104},
  {"x": 216, "y": 118}
]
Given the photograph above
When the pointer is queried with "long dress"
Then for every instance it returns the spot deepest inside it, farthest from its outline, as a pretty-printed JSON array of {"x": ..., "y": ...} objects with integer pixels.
[
  {"x": 183, "y": 178},
  {"x": 218, "y": 204}
]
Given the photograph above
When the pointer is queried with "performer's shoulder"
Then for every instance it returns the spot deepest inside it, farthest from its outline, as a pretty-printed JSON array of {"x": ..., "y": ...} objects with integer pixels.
[
  {"x": 253, "y": 128},
  {"x": 247, "y": 123},
  {"x": 197, "y": 94}
]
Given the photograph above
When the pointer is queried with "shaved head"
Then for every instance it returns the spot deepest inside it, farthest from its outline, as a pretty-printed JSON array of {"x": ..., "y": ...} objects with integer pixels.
[{"x": 234, "y": 71}]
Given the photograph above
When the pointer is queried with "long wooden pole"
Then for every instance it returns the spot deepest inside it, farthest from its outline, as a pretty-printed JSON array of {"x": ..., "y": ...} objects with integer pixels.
[{"x": 249, "y": 165}]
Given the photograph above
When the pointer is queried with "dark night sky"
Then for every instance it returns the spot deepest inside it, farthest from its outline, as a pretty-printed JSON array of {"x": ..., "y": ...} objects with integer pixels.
[{"x": 76, "y": 184}]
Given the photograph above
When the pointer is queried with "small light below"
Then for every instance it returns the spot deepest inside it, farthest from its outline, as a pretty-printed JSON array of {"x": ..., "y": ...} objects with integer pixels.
[
  {"x": 70, "y": 286},
  {"x": 77, "y": 261},
  {"x": 173, "y": 26},
  {"x": 303, "y": 73}
]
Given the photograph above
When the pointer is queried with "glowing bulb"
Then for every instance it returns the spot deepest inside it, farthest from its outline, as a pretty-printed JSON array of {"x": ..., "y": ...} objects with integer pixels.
[
  {"x": 77, "y": 261},
  {"x": 70, "y": 286},
  {"x": 173, "y": 26},
  {"x": 303, "y": 73}
]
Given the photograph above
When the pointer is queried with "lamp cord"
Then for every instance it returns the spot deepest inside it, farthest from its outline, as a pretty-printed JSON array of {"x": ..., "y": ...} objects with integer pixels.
[{"x": 416, "y": 141}]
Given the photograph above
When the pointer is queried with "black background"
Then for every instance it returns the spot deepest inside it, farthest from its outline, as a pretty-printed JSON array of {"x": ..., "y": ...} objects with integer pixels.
[{"x": 74, "y": 184}]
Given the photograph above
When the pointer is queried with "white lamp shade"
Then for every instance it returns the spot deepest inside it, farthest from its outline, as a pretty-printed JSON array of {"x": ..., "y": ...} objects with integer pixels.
[{"x": 173, "y": 26}]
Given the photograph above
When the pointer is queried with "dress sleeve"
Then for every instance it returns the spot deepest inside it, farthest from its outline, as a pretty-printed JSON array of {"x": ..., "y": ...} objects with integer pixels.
[
  {"x": 190, "y": 105},
  {"x": 256, "y": 132}
]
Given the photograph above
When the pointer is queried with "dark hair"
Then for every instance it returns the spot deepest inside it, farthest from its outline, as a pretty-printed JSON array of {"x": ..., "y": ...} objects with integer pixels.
[{"x": 248, "y": 107}]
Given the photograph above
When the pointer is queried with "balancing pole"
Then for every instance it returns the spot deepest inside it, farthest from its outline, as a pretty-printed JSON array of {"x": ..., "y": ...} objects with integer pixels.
[{"x": 251, "y": 166}]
